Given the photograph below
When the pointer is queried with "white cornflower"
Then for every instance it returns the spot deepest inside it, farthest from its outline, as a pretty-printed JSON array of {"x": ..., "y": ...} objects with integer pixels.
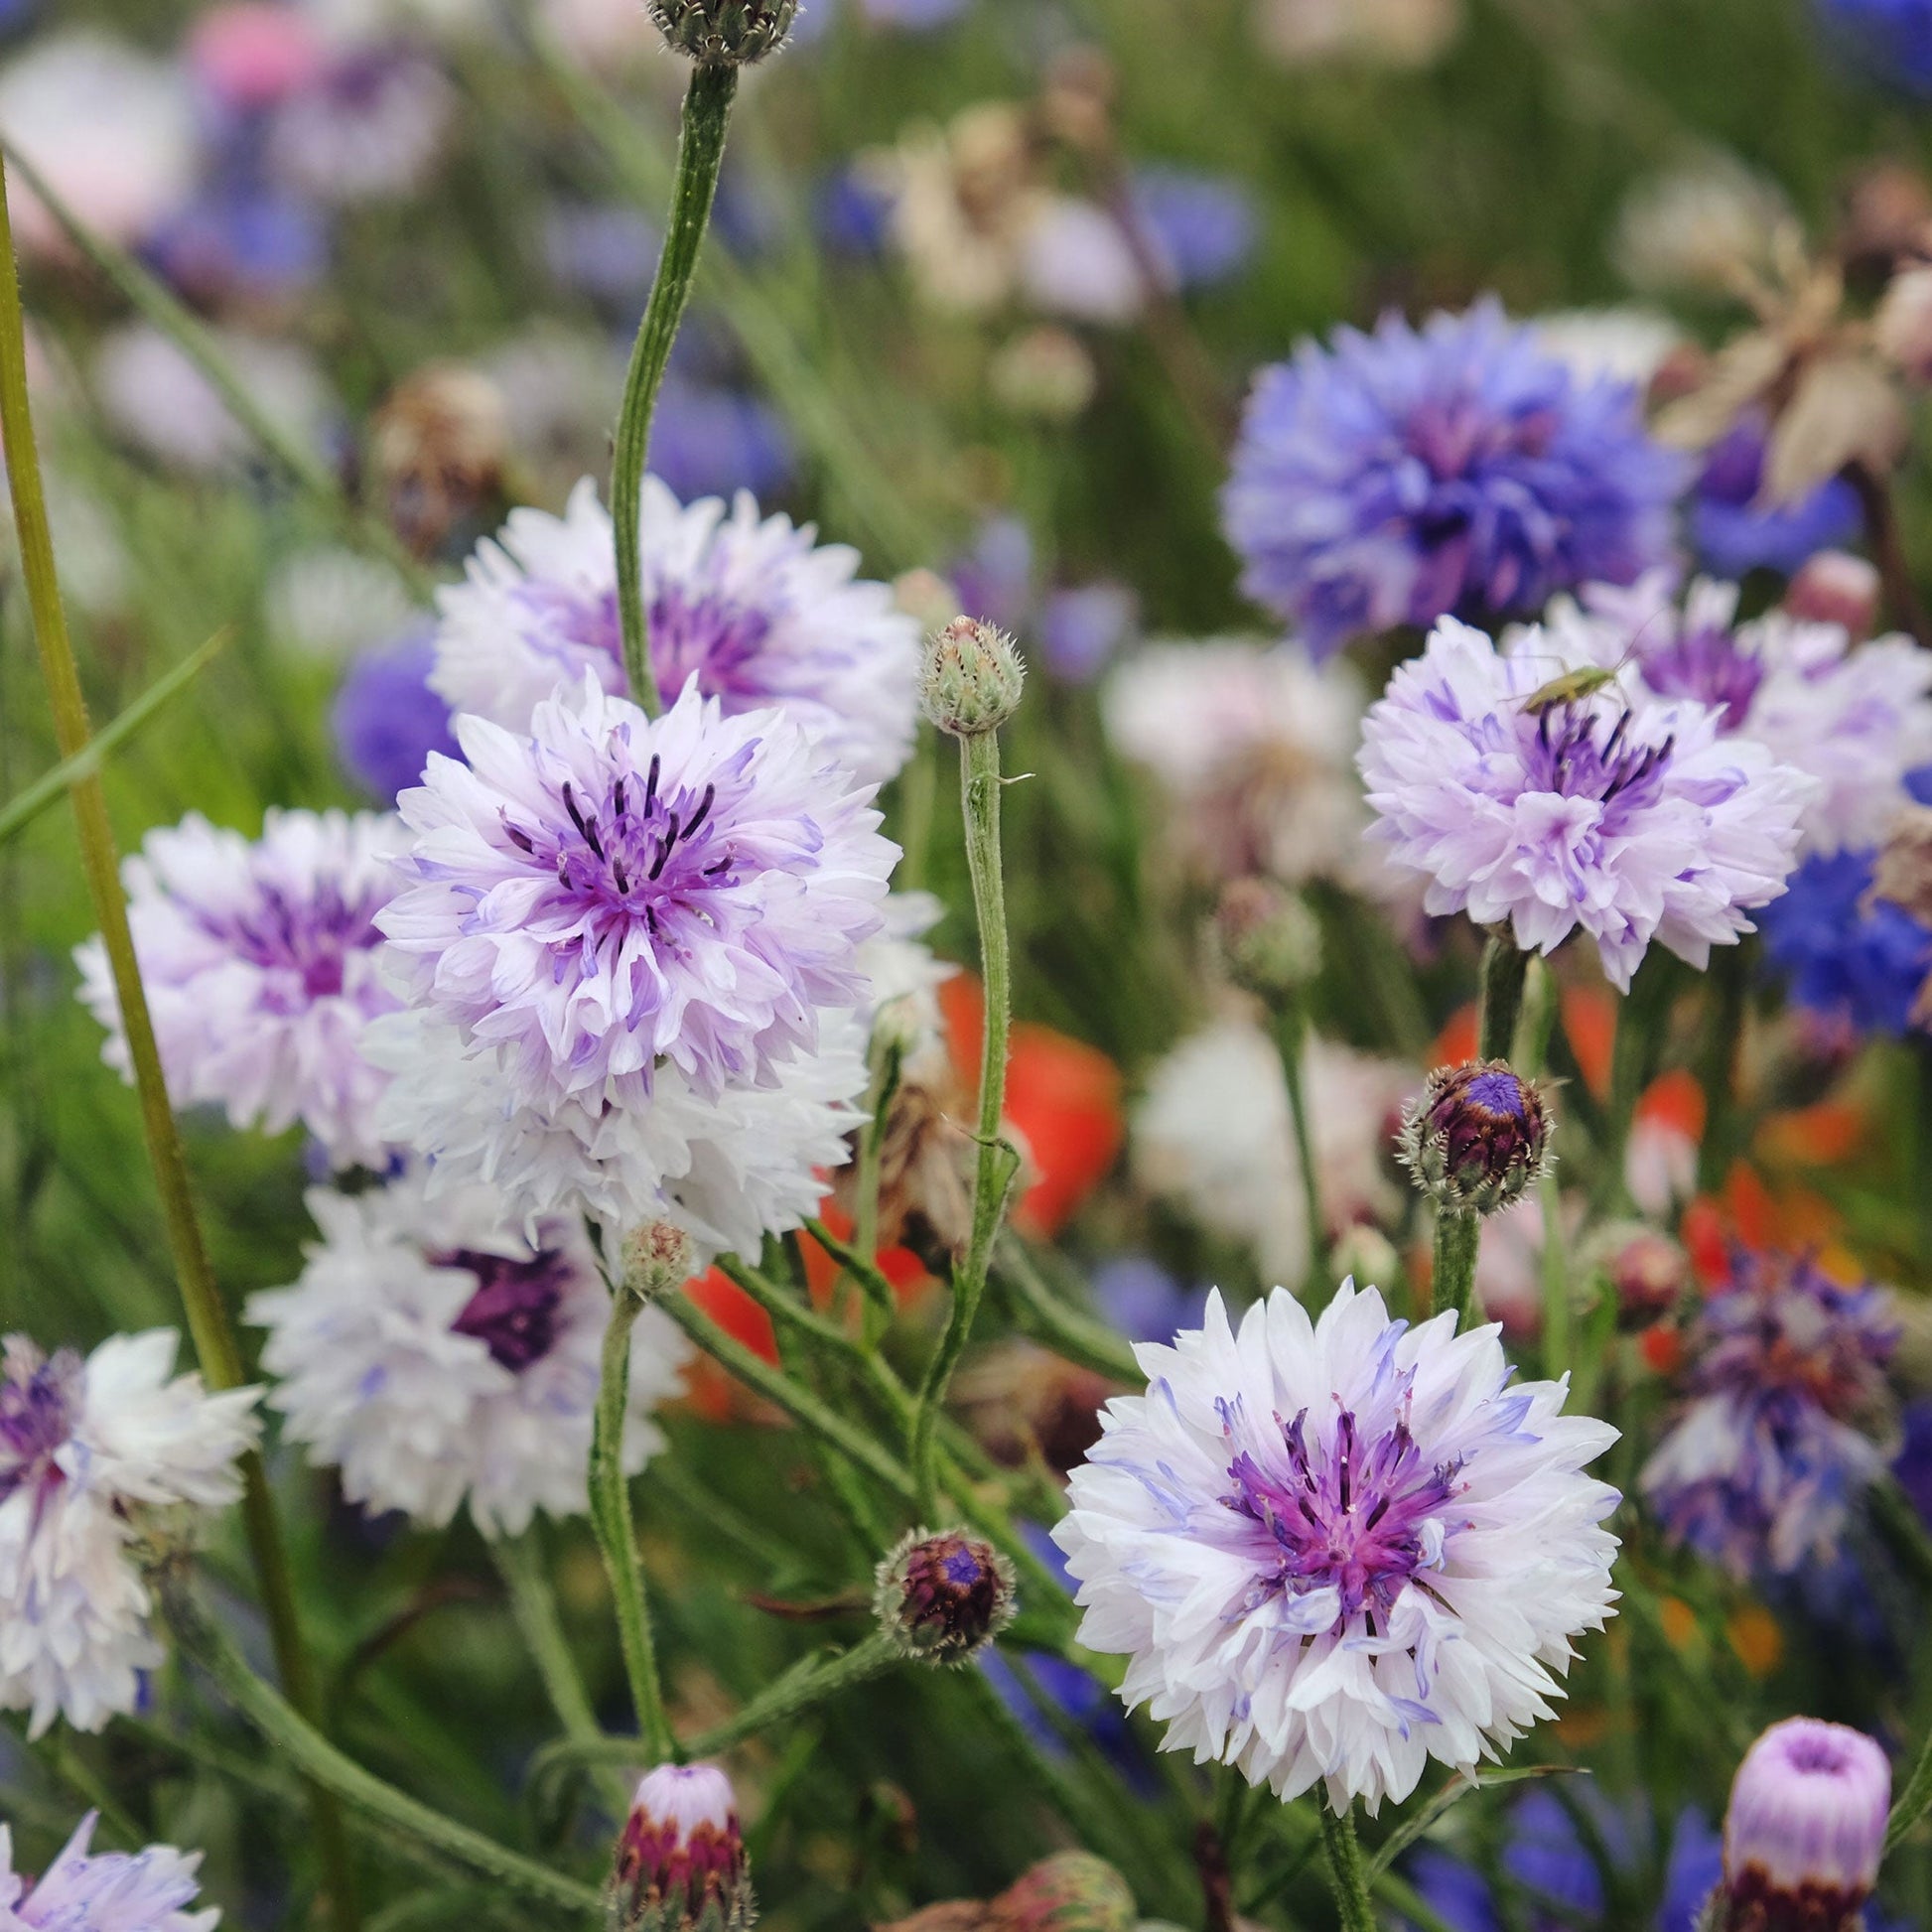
[
  {"x": 148, "y": 1890},
  {"x": 84, "y": 1447},
  {"x": 1335, "y": 1550},
  {"x": 437, "y": 1358}
]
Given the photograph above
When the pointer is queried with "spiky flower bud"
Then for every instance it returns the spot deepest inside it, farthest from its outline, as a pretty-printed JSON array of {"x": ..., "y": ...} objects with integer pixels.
[
  {"x": 681, "y": 1864},
  {"x": 1072, "y": 1892},
  {"x": 1268, "y": 940},
  {"x": 725, "y": 33},
  {"x": 657, "y": 1260},
  {"x": 1805, "y": 1830},
  {"x": 941, "y": 1596},
  {"x": 1476, "y": 1138},
  {"x": 972, "y": 678}
]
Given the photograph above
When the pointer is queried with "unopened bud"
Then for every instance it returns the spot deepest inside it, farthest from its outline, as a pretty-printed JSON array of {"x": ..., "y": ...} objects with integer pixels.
[
  {"x": 681, "y": 1864},
  {"x": 657, "y": 1260},
  {"x": 1835, "y": 587},
  {"x": 1903, "y": 873},
  {"x": 1268, "y": 940},
  {"x": 1646, "y": 1270},
  {"x": 725, "y": 33},
  {"x": 1476, "y": 1138},
  {"x": 1072, "y": 1892},
  {"x": 943, "y": 1597},
  {"x": 972, "y": 678},
  {"x": 1902, "y": 327},
  {"x": 1805, "y": 1830}
]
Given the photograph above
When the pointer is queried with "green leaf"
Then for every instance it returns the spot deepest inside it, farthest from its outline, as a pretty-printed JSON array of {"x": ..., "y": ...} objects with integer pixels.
[
  {"x": 1417, "y": 1822},
  {"x": 21, "y": 811}
]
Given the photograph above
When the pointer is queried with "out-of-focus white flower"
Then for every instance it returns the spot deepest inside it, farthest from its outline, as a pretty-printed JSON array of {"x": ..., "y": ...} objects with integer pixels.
[
  {"x": 84, "y": 1447},
  {"x": 1388, "y": 33},
  {"x": 110, "y": 128},
  {"x": 437, "y": 1359},
  {"x": 372, "y": 128},
  {"x": 1335, "y": 1550},
  {"x": 1215, "y": 1132},
  {"x": 330, "y": 602},
  {"x": 103, "y": 1892},
  {"x": 1701, "y": 227},
  {"x": 161, "y": 402},
  {"x": 93, "y": 560},
  {"x": 1627, "y": 345},
  {"x": 1075, "y": 262}
]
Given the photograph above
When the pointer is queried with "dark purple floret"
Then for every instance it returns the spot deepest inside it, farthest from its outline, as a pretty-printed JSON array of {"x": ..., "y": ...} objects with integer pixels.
[
  {"x": 1707, "y": 664},
  {"x": 39, "y": 1396},
  {"x": 514, "y": 1311}
]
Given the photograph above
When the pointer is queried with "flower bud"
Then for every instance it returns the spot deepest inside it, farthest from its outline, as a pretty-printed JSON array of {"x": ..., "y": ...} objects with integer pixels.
[
  {"x": 681, "y": 1863},
  {"x": 657, "y": 1260},
  {"x": 1805, "y": 1830},
  {"x": 725, "y": 33},
  {"x": 1476, "y": 1138},
  {"x": 1072, "y": 1892},
  {"x": 1835, "y": 587},
  {"x": 942, "y": 1596},
  {"x": 972, "y": 678},
  {"x": 1903, "y": 872},
  {"x": 1268, "y": 940},
  {"x": 1647, "y": 1271}
]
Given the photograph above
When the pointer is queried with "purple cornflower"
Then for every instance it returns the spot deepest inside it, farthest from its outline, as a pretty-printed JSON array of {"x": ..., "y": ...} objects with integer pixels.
[
  {"x": 103, "y": 1892},
  {"x": 1734, "y": 532},
  {"x": 260, "y": 965},
  {"x": 1629, "y": 820},
  {"x": 386, "y": 718},
  {"x": 1404, "y": 476},
  {"x": 1203, "y": 227},
  {"x": 1765, "y": 1457},
  {"x": 708, "y": 441},
  {"x": 1857, "y": 961},
  {"x": 613, "y": 890}
]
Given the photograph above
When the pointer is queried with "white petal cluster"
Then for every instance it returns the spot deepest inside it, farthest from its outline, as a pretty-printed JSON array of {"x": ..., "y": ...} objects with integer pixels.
[
  {"x": 148, "y": 1890},
  {"x": 1335, "y": 1550},
  {"x": 383, "y": 1351},
  {"x": 86, "y": 1446}
]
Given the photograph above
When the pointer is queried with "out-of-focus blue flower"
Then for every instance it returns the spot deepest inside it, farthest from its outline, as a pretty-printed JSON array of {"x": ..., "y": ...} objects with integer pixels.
[
  {"x": 713, "y": 442},
  {"x": 15, "y": 14},
  {"x": 1732, "y": 535},
  {"x": 1144, "y": 1301},
  {"x": 1203, "y": 227},
  {"x": 1397, "y": 476},
  {"x": 388, "y": 721},
  {"x": 994, "y": 577},
  {"x": 1080, "y": 629},
  {"x": 1859, "y": 964},
  {"x": 249, "y": 241},
  {"x": 602, "y": 250},
  {"x": 1890, "y": 38},
  {"x": 853, "y": 213},
  {"x": 913, "y": 16},
  {"x": 1913, "y": 1463}
]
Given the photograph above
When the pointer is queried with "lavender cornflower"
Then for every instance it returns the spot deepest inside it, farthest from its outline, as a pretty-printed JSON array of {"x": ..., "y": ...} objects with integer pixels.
[
  {"x": 260, "y": 966},
  {"x": 1404, "y": 476},
  {"x": 103, "y": 1892},
  {"x": 1334, "y": 1551},
  {"x": 752, "y": 610},
  {"x": 1855, "y": 718},
  {"x": 1734, "y": 532},
  {"x": 680, "y": 1862},
  {"x": 616, "y": 890},
  {"x": 84, "y": 1447},
  {"x": 388, "y": 721},
  {"x": 1765, "y": 1459},
  {"x": 1631, "y": 819}
]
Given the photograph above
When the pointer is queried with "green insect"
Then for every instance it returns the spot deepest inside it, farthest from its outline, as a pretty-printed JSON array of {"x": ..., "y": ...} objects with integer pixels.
[{"x": 1571, "y": 687}]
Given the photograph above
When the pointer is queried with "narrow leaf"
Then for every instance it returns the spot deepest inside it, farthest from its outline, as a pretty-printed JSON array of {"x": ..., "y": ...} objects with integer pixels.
[{"x": 1418, "y": 1822}]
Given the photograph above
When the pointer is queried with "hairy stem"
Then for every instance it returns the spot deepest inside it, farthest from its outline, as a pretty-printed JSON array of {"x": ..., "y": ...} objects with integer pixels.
[
  {"x": 215, "y": 1346},
  {"x": 1345, "y": 1872},
  {"x": 700, "y": 151},
  {"x": 1504, "y": 965},
  {"x": 1458, "y": 1235},
  {"x": 1291, "y": 1037}
]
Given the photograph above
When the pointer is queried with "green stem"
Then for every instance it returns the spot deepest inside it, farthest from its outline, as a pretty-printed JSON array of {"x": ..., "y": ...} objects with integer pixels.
[
  {"x": 787, "y": 1312},
  {"x": 1291, "y": 1037},
  {"x": 321, "y": 1763},
  {"x": 213, "y": 1335},
  {"x": 1066, "y": 1331},
  {"x": 1914, "y": 1801},
  {"x": 1345, "y": 1871},
  {"x": 1633, "y": 1062},
  {"x": 798, "y": 1690},
  {"x": 882, "y": 1306},
  {"x": 853, "y": 1259},
  {"x": 520, "y": 1563},
  {"x": 979, "y": 780},
  {"x": 1456, "y": 1238},
  {"x": 700, "y": 152},
  {"x": 617, "y": 1534},
  {"x": 782, "y": 1392},
  {"x": 1728, "y": 987},
  {"x": 1504, "y": 964}
]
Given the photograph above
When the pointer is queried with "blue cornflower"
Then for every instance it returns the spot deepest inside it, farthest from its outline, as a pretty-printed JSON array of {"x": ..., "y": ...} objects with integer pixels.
[
  {"x": 1733, "y": 533},
  {"x": 1858, "y": 962},
  {"x": 1399, "y": 477},
  {"x": 1204, "y": 226},
  {"x": 1890, "y": 38},
  {"x": 386, "y": 718}
]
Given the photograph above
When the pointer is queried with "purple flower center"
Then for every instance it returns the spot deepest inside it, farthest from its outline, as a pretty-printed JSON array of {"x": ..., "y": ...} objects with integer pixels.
[
  {"x": 1358, "y": 1518},
  {"x": 1497, "y": 1092},
  {"x": 38, "y": 1400},
  {"x": 303, "y": 943},
  {"x": 1706, "y": 664},
  {"x": 513, "y": 1312},
  {"x": 1565, "y": 757}
]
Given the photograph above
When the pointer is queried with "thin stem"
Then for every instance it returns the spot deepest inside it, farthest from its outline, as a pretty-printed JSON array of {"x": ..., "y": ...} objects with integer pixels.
[
  {"x": 1345, "y": 1872},
  {"x": 853, "y": 1259},
  {"x": 881, "y": 1308},
  {"x": 979, "y": 780},
  {"x": 1729, "y": 988},
  {"x": 1504, "y": 964},
  {"x": 208, "y": 1325},
  {"x": 617, "y": 1534},
  {"x": 700, "y": 152},
  {"x": 1066, "y": 1331},
  {"x": 787, "y": 1311},
  {"x": 1457, "y": 1236},
  {"x": 798, "y": 1690},
  {"x": 1291, "y": 1037},
  {"x": 519, "y": 1562},
  {"x": 1874, "y": 492},
  {"x": 320, "y": 1761}
]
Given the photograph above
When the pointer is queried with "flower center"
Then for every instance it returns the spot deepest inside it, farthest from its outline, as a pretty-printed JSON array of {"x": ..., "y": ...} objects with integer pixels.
[
  {"x": 1497, "y": 1092},
  {"x": 37, "y": 1399},
  {"x": 1707, "y": 664},
  {"x": 1566, "y": 757},
  {"x": 1359, "y": 1518},
  {"x": 513, "y": 1312},
  {"x": 716, "y": 637},
  {"x": 308, "y": 940}
]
